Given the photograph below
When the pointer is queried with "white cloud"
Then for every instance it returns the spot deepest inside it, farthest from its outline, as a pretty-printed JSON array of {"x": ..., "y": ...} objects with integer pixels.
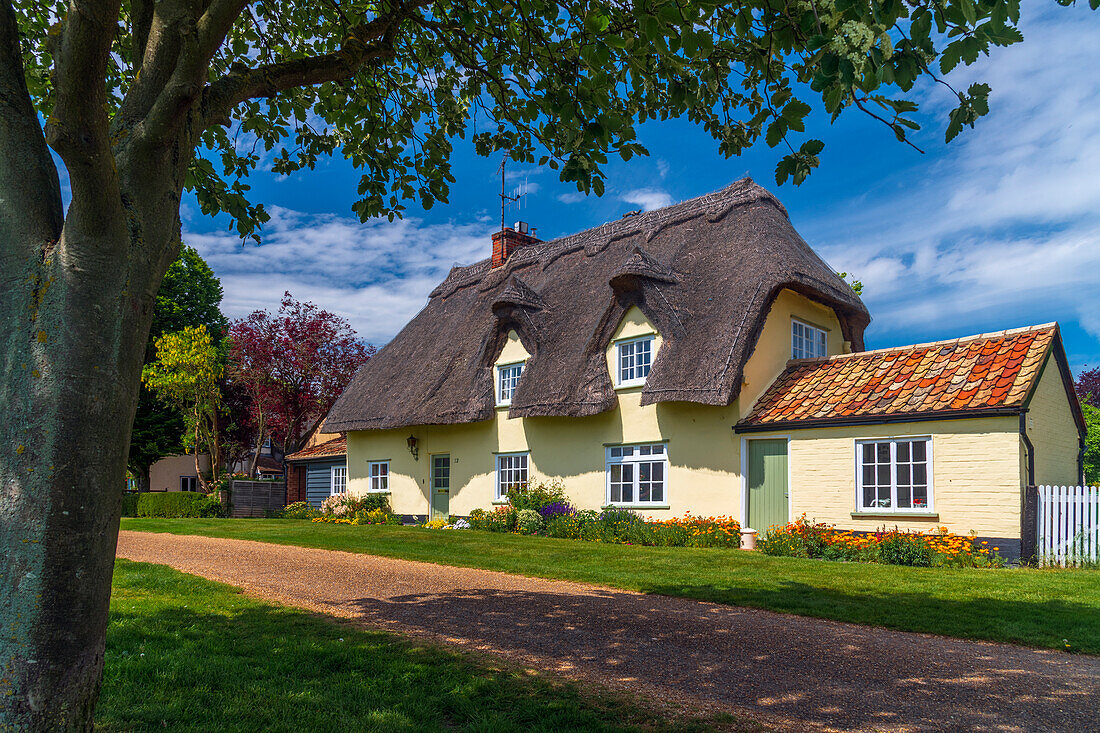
[
  {"x": 377, "y": 275},
  {"x": 573, "y": 197},
  {"x": 1003, "y": 228},
  {"x": 648, "y": 198}
]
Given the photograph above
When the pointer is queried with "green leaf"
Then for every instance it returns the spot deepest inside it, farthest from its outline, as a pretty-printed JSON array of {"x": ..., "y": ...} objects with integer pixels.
[
  {"x": 812, "y": 147},
  {"x": 776, "y": 130},
  {"x": 952, "y": 54},
  {"x": 597, "y": 23},
  {"x": 969, "y": 10}
]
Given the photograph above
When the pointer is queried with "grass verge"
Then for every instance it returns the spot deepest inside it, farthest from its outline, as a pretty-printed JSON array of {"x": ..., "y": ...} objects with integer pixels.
[
  {"x": 1025, "y": 606},
  {"x": 184, "y": 653}
]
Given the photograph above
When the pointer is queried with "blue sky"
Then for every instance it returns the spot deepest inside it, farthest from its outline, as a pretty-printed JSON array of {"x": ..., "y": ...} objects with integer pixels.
[{"x": 998, "y": 229}]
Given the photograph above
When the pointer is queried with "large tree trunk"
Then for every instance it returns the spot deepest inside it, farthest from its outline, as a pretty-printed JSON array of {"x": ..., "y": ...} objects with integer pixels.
[
  {"x": 76, "y": 297},
  {"x": 74, "y": 329}
]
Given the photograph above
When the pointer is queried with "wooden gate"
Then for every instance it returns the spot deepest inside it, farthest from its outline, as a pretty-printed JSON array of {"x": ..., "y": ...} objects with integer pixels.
[{"x": 256, "y": 498}]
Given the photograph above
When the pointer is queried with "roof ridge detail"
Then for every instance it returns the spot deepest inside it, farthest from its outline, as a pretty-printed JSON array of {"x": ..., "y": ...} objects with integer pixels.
[{"x": 742, "y": 191}]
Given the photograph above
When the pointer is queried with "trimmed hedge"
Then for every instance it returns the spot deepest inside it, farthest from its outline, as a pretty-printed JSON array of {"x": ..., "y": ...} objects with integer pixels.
[
  {"x": 129, "y": 503},
  {"x": 177, "y": 504}
]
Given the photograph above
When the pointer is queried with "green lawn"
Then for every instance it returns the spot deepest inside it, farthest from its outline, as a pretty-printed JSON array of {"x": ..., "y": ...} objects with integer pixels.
[
  {"x": 1027, "y": 606},
  {"x": 184, "y": 653}
]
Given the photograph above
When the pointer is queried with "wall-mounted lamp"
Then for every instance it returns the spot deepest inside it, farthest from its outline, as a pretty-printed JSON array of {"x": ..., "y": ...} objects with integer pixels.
[{"x": 411, "y": 441}]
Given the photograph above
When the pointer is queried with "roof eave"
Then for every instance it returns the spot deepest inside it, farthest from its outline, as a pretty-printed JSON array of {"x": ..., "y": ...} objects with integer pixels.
[{"x": 771, "y": 427}]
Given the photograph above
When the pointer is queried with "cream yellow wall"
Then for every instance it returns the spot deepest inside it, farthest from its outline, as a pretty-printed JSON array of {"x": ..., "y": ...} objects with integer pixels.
[
  {"x": 1052, "y": 430},
  {"x": 164, "y": 475},
  {"x": 773, "y": 349},
  {"x": 513, "y": 350},
  {"x": 704, "y": 453},
  {"x": 976, "y": 480}
]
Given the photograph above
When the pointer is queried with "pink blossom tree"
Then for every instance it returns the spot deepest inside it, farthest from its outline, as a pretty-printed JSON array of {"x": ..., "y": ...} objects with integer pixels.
[{"x": 293, "y": 363}]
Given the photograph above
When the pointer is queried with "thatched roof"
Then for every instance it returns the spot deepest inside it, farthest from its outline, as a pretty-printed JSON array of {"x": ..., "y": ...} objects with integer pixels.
[{"x": 704, "y": 271}]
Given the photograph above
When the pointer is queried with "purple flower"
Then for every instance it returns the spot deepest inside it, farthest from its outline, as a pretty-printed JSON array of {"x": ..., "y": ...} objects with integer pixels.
[{"x": 557, "y": 509}]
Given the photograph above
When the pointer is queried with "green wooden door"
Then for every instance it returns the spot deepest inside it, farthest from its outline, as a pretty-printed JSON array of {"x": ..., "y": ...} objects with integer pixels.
[
  {"x": 441, "y": 486},
  {"x": 767, "y": 481}
]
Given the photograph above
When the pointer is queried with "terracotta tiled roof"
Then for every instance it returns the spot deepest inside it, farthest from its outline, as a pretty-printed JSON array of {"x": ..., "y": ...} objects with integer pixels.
[
  {"x": 973, "y": 374},
  {"x": 334, "y": 447}
]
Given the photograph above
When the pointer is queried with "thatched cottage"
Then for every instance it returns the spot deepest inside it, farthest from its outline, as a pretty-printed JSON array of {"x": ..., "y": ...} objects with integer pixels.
[{"x": 702, "y": 358}]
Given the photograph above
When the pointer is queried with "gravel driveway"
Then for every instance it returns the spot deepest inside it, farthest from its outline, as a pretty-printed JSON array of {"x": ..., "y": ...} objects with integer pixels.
[{"x": 797, "y": 673}]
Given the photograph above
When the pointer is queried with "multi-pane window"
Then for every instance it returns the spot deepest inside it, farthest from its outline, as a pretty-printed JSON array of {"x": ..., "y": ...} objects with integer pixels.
[
  {"x": 637, "y": 474},
  {"x": 379, "y": 474},
  {"x": 894, "y": 475},
  {"x": 507, "y": 379},
  {"x": 189, "y": 483},
  {"x": 634, "y": 359},
  {"x": 339, "y": 479},
  {"x": 511, "y": 471},
  {"x": 807, "y": 342}
]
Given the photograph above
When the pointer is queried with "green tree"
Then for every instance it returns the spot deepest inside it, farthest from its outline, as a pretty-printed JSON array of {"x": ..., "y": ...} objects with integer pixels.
[
  {"x": 190, "y": 295},
  {"x": 1092, "y": 443},
  {"x": 142, "y": 100},
  {"x": 186, "y": 374}
]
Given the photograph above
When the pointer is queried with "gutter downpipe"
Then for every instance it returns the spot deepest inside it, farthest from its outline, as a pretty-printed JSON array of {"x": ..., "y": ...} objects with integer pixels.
[
  {"x": 1081, "y": 460},
  {"x": 1028, "y": 530},
  {"x": 1030, "y": 449}
]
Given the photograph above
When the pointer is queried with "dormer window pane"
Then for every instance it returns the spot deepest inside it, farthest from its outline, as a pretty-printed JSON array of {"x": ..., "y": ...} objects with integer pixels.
[
  {"x": 807, "y": 342},
  {"x": 635, "y": 358},
  {"x": 507, "y": 379}
]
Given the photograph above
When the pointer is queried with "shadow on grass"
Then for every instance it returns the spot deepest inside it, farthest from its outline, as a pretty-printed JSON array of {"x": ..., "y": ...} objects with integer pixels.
[
  {"x": 184, "y": 653},
  {"x": 1029, "y": 622},
  {"x": 837, "y": 675}
]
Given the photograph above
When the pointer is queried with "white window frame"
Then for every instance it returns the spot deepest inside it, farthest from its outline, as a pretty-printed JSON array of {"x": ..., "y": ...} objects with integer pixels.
[
  {"x": 894, "y": 508},
  {"x": 634, "y": 460},
  {"x": 378, "y": 483},
  {"x": 635, "y": 381},
  {"x": 501, "y": 370},
  {"x": 500, "y": 495},
  {"x": 192, "y": 481},
  {"x": 332, "y": 480},
  {"x": 820, "y": 339}
]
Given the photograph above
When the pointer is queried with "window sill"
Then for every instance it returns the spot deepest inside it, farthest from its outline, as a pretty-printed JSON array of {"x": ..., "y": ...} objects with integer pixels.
[
  {"x": 376, "y": 491},
  {"x": 895, "y": 515},
  {"x": 636, "y": 506},
  {"x": 499, "y": 502},
  {"x": 630, "y": 385},
  {"x": 503, "y": 405}
]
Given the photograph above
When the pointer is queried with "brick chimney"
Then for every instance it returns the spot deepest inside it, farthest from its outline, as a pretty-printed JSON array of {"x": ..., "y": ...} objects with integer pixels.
[{"x": 508, "y": 240}]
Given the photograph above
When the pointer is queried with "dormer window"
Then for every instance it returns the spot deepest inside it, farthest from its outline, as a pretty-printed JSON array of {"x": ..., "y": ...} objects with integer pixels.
[
  {"x": 507, "y": 379},
  {"x": 807, "y": 342},
  {"x": 633, "y": 359}
]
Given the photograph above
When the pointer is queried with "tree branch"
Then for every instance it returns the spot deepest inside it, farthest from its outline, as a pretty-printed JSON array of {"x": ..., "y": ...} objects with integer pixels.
[
  {"x": 141, "y": 19},
  {"x": 78, "y": 127},
  {"x": 366, "y": 42},
  {"x": 29, "y": 186}
]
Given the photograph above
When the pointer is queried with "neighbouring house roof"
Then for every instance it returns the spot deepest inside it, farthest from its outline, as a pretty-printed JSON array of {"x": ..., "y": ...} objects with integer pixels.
[
  {"x": 329, "y": 449},
  {"x": 989, "y": 374},
  {"x": 269, "y": 464},
  {"x": 705, "y": 272}
]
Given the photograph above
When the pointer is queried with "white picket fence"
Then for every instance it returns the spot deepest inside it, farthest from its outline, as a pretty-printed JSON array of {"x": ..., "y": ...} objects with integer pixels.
[{"x": 1069, "y": 525}]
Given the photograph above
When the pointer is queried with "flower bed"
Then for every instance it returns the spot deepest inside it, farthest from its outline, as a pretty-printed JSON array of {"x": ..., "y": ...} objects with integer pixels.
[
  {"x": 542, "y": 509},
  {"x": 345, "y": 509},
  {"x": 940, "y": 548}
]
